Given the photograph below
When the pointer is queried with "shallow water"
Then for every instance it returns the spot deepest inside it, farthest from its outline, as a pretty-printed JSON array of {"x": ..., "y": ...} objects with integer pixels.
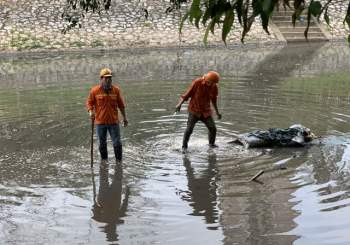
[{"x": 48, "y": 193}]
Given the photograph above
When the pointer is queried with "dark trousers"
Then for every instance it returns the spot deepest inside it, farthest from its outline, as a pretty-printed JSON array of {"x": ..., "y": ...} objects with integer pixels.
[
  {"x": 191, "y": 122},
  {"x": 114, "y": 132}
]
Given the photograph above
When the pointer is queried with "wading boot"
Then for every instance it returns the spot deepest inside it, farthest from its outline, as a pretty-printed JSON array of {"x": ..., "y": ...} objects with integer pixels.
[
  {"x": 103, "y": 151},
  {"x": 118, "y": 152}
]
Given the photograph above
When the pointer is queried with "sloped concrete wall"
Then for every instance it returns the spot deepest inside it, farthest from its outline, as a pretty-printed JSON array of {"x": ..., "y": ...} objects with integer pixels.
[{"x": 37, "y": 24}]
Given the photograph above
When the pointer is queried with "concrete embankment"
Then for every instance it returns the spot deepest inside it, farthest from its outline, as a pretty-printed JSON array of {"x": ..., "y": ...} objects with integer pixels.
[{"x": 37, "y": 26}]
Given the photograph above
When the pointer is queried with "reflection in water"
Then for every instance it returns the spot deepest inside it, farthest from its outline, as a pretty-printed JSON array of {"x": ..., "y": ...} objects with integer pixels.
[
  {"x": 298, "y": 56},
  {"x": 202, "y": 189},
  {"x": 323, "y": 198},
  {"x": 44, "y": 156},
  {"x": 109, "y": 207},
  {"x": 250, "y": 211}
]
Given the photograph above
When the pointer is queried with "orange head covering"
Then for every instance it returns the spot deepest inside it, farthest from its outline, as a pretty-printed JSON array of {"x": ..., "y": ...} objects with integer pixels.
[{"x": 213, "y": 76}]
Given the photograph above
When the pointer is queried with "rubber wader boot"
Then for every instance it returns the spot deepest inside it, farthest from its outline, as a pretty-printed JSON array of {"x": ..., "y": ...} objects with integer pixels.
[
  {"x": 103, "y": 151},
  {"x": 118, "y": 152}
]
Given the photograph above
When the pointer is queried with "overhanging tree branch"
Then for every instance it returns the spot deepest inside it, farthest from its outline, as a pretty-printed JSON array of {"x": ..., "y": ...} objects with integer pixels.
[{"x": 216, "y": 12}]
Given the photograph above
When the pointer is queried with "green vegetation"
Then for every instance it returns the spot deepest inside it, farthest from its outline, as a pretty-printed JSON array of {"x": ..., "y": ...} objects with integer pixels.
[
  {"x": 56, "y": 44},
  {"x": 147, "y": 24},
  {"x": 97, "y": 43},
  {"x": 338, "y": 83},
  {"x": 25, "y": 41},
  {"x": 217, "y": 13},
  {"x": 77, "y": 44}
]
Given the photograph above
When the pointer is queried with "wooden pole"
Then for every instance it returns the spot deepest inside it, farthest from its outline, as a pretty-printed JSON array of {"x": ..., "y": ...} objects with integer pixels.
[
  {"x": 257, "y": 175},
  {"x": 92, "y": 142}
]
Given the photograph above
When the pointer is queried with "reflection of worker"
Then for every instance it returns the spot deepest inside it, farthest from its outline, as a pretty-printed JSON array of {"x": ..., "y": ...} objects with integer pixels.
[
  {"x": 203, "y": 190},
  {"x": 109, "y": 207},
  {"x": 203, "y": 91},
  {"x": 103, "y": 103}
]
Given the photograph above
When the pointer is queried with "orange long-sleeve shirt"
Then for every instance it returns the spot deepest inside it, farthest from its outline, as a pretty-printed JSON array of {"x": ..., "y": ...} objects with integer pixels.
[
  {"x": 105, "y": 105},
  {"x": 201, "y": 95}
]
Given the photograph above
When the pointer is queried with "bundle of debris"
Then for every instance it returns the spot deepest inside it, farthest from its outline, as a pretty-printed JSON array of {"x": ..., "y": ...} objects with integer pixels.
[{"x": 295, "y": 135}]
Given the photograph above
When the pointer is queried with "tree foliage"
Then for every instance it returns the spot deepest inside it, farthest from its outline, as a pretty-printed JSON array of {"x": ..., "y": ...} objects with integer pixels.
[{"x": 217, "y": 13}]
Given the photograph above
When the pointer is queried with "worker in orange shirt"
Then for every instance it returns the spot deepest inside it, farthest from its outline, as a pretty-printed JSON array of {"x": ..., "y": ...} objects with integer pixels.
[
  {"x": 203, "y": 91},
  {"x": 103, "y": 103}
]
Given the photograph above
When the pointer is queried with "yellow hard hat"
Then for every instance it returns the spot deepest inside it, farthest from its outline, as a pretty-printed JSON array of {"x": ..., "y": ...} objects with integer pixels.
[{"x": 105, "y": 72}]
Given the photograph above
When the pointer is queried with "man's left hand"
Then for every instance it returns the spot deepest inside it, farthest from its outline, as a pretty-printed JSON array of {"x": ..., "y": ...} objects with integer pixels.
[{"x": 219, "y": 116}]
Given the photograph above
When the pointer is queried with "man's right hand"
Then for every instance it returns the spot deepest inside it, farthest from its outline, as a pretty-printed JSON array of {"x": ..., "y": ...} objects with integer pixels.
[
  {"x": 178, "y": 108},
  {"x": 92, "y": 114}
]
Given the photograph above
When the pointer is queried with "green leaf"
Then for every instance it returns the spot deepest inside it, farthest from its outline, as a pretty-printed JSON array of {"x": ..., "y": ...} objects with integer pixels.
[
  {"x": 294, "y": 18},
  {"x": 285, "y": 3},
  {"x": 195, "y": 12},
  {"x": 296, "y": 14},
  {"x": 246, "y": 27},
  {"x": 315, "y": 8},
  {"x": 206, "y": 15},
  {"x": 266, "y": 5},
  {"x": 299, "y": 4},
  {"x": 228, "y": 22},
  {"x": 326, "y": 17},
  {"x": 205, "y": 39},
  {"x": 212, "y": 25},
  {"x": 107, "y": 4},
  {"x": 183, "y": 21},
  {"x": 219, "y": 9},
  {"x": 197, "y": 22},
  {"x": 257, "y": 7},
  {"x": 349, "y": 39},
  {"x": 265, "y": 22},
  {"x": 308, "y": 23},
  {"x": 239, "y": 10},
  {"x": 347, "y": 16},
  {"x": 212, "y": 3}
]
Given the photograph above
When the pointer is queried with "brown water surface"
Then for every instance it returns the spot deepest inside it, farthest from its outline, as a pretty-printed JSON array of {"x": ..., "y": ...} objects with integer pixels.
[{"x": 48, "y": 194}]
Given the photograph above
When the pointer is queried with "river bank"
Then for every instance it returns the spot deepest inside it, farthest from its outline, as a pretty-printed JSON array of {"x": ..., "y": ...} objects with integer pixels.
[{"x": 36, "y": 26}]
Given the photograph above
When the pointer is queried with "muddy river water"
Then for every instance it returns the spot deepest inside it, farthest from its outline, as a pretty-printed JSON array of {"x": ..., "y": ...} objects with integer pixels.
[{"x": 48, "y": 192}]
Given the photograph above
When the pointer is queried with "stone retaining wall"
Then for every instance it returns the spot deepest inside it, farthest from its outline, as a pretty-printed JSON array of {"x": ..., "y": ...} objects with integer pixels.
[
  {"x": 182, "y": 65},
  {"x": 336, "y": 13},
  {"x": 37, "y": 25}
]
